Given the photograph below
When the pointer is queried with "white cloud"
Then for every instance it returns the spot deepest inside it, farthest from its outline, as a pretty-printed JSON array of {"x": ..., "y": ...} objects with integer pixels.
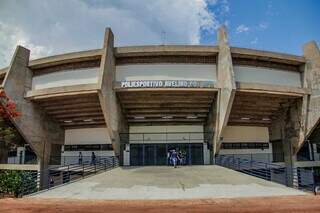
[
  {"x": 11, "y": 37},
  {"x": 53, "y": 27},
  {"x": 242, "y": 28}
]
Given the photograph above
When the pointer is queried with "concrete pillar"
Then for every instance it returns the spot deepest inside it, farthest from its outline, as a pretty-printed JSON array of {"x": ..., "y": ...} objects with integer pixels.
[
  {"x": 37, "y": 129},
  {"x": 291, "y": 129},
  {"x": 109, "y": 102},
  {"x": 311, "y": 79},
  {"x": 3, "y": 153},
  {"x": 226, "y": 85}
]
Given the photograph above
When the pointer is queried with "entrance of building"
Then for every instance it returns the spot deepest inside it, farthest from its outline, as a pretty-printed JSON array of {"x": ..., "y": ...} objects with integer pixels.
[{"x": 156, "y": 154}]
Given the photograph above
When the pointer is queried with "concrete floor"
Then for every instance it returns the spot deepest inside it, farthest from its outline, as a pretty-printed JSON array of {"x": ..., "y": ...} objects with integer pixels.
[{"x": 135, "y": 183}]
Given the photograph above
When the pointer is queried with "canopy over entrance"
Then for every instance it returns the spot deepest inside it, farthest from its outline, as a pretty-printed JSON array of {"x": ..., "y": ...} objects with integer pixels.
[{"x": 177, "y": 106}]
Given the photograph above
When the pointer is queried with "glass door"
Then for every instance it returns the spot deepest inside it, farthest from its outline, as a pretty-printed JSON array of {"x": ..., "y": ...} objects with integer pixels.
[{"x": 136, "y": 154}]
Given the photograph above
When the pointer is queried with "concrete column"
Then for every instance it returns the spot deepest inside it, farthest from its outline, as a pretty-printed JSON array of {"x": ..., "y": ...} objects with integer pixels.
[
  {"x": 311, "y": 79},
  {"x": 287, "y": 129},
  {"x": 291, "y": 129},
  {"x": 226, "y": 85},
  {"x": 109, "y": 102},
  {"x": 3, "y": 153},
  {"x": 37, "y": 129}
]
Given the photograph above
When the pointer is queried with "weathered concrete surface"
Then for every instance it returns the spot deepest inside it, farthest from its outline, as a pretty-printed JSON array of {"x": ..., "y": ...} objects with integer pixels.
[
  {"x": 160, "y": 50},
  {"x": 66, "y": 58},
  {"x": 227, "y": 87},
  {"x": 289, "y": 129},
  {"x": 272, "y": 89},
  {"x": 312, "y": 81},
  {"x": 134, "y": 183},
  {"x": 267, "y": 55},
  {"x": 109, "y": 102},
  {"x": 34, "y": 125},
  {"x": 65, "y": 90}
]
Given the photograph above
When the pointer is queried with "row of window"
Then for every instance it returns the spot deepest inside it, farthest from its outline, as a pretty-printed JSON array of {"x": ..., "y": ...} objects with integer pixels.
[
  {"x": 245, "y": 146},
  {"x": 89, "y": 147}
]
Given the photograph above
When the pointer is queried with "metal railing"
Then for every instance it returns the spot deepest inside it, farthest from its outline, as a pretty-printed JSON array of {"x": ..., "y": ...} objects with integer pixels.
[
  {"x": 295, "y": 177},
  {"x": 260, "y": 157},
  {"x": 57, "y": 176},
  {"x": 64, "y": 160}
]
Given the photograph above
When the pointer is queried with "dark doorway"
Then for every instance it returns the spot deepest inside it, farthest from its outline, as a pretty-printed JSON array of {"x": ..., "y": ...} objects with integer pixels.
[{"x": 156, "y": 154}]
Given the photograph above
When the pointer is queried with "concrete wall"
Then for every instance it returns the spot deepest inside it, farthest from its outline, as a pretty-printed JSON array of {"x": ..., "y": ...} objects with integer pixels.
[
  {"x": 166, "y": 128},
  {"x": 245, "y": 134},
  {"x": 246, "y": 151},
  {"x": 192, "y": 72},
  {"x": 87, "y": 136},
  {"x": 65, "y": 78},
  {"x": 267, "y": 76},
  {"x": 179, "y": 134}
]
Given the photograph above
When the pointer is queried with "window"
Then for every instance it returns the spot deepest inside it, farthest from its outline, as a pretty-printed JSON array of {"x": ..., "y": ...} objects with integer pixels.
[
  {"x": 245, "y": 146},
  {"x": 89, "y": 147}
]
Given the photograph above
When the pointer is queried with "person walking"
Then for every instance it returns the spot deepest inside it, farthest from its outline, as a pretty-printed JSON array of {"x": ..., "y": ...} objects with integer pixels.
[{"x": 174, "y": 158}]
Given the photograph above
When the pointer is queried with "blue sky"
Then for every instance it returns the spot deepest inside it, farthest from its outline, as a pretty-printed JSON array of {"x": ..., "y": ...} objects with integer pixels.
[
  {"x": 49, "y": 27},
  {"x": 278, "y": 25}
]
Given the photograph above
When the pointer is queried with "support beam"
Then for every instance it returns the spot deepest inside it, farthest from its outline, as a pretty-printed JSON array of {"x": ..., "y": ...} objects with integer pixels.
[
  {"x": 227, "y": 87},
  {"x": 109, "y": 102},
  {"x": 34, "y": 125}
]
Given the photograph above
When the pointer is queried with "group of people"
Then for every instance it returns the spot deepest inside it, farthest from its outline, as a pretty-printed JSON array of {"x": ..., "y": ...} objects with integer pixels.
[
  {"x": 93, "y": 158},
  {"x": 176, "y": 157}
]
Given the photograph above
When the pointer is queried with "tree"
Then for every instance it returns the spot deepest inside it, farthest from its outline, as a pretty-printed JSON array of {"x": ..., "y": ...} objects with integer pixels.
[{"x": 8, "y": 134}]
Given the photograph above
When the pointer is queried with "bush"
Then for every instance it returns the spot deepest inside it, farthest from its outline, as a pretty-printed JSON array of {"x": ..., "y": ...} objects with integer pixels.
[{"x": 16, "y": 182}]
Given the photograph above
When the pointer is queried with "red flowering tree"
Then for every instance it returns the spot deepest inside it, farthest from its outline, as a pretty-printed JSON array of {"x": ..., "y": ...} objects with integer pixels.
[{"x": 8, "y": 134}]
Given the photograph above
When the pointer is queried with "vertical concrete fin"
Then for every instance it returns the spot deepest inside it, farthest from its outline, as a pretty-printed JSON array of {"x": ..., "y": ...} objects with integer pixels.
[
  {"x": 311, "y": 81},
  {"x": 109, "y": 102},
  {"x": 34, "y": 125},
  {"x": 226, "y": 85}
]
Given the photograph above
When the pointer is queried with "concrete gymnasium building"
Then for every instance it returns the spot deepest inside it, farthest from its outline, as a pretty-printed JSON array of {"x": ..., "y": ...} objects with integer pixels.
[{"x": 138, "y": 102}]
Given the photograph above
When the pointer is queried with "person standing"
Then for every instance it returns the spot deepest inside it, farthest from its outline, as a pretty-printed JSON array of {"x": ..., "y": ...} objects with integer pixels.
[
  {"x": 80, "y": 158},
  {"x": 93, "y": 159},
  {"x": 169, "y": 158}
]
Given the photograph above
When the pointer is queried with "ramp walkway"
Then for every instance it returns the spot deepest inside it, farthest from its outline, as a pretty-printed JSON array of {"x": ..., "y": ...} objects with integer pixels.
[{"x": 152, "y": 182}]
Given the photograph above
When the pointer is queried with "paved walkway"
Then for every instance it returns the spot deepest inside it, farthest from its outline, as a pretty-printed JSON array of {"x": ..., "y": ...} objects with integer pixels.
[{"x": 135, "y": 183}]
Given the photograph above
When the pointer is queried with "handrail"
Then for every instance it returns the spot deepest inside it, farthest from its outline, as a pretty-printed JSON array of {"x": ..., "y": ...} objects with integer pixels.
[
  {"x": 299, "y": 178},
  {"x": 59, "y": 175}
]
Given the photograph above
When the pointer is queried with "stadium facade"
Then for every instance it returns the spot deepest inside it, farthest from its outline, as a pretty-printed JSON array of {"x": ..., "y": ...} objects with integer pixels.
[{"x": 138, "y": 102}]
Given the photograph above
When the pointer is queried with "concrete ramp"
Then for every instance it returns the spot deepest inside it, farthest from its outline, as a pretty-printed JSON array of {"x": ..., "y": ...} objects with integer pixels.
[{"x": 190, "y": 182}]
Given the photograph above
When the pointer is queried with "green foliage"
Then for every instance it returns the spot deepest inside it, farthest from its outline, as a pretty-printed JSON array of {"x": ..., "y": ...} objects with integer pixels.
[
  {"x": 17, "y": 182},
  {"x": 8, "y": 134}
]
